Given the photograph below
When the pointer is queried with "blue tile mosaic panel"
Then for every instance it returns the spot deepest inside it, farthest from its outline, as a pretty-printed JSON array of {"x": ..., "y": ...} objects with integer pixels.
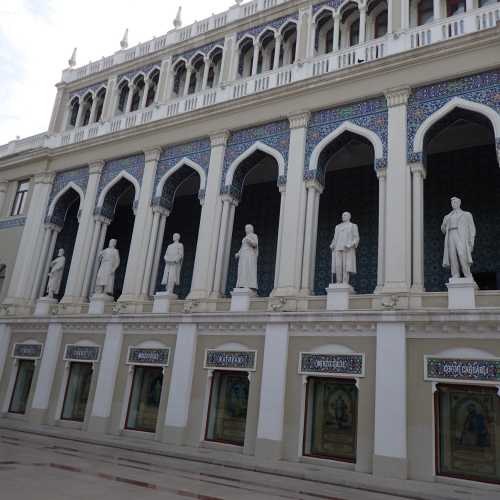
[
  {"x": 205, "y": 50},
  {"x": 276, "y": 24},
  {"x": 236, "y": 360},
  {"x": 79, "y": 176},
  {"x": 484, "y": 370},
  {"x": 130, "y": 75},
  {"x": 371, "y": 114},
  {"x": 91, "y": 88},
  {"x": 150, "y": 356},
  {"x": 75, "y": 352},
  {"x": 133, "y": 165},
  {"x": 27, "y": 351},
  {"x": 332, "y": 364},
  {"x": 9, "y": 223},
  {"x": 482, "y": 88}
]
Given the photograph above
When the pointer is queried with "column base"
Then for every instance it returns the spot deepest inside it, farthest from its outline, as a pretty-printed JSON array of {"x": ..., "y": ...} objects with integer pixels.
[
  {"x": 197, "y": 295},
  {"x": 268, "y": 449},
  {"x": 461, "y": 293},
  {"x": 162, "y": 301},
  {"x": 36, "y": 416},
  {"x": 43, "y": 306},
  {"x": 240, "y": 299},
  {"x": 286, "y": 291},
  {"x": 98, "y": 303},
  {"x": 173, "y": 435},
  {"x": 98, "y": 425},
  {"x": 390, "y": 467},
  {"x": 338, "y": 296}
]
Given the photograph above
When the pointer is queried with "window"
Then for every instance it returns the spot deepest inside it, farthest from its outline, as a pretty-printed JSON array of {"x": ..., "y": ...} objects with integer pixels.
[
  {"x": 467, "y": 430},
  {"x": 354, "y": 33},
  {"x": 331, "y": 419},
  {"x": 381, "y": 24},
  {"x": 227, "y": 412},
  {"x": 153, "y": 86},
  {"x": 454, "y": 7},
  {"x": 20, "y": 198},
  {"x": 87, "y": 110},
  {"x": 144, "y": 399},
  {"x": 75, "y": 107},
  {"x": 101, "y": 95},
  {"x": 77, "y": 391},
  {"x": 123, "y": 98},
  {"x": 22, "y": 386},
  {"x": 425, "y": 12}
]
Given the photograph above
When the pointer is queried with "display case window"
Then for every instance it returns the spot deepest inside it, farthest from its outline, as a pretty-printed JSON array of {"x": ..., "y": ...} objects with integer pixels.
[
  {"x": 145, "y": 398},
  {"x": 22, "y": 386},
  {"x": 227, "y": 412},
  {"x": 331, "y": 419},
  {"x": 77, "y": 391},
  {"x": 468, "y": 432}
]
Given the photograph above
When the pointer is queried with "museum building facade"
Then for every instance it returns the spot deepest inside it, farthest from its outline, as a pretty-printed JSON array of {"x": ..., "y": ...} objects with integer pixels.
[{"x": 137, "y": 300}]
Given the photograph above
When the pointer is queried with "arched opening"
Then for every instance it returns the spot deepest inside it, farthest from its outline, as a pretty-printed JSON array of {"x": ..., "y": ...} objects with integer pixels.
[
  {"x": 324, "y": 32},
  {"x": 88, "y": 100},
  {"x": 288, "y": 44},
  {"x": 118, "y": 206},
  {"x": 259, "y": 205},
  {"x": 196, "y": 81},
  {"x": 123, "y": 91},
  {"x": 455, "y": 7},
  {"x": 101, "y": 95},
  {"x": 350, "y": 184},
  {"x": 421, "y": 12},
  {"x": 138, "y": 86},
  {"x": 215, "y": 62},
  {"x": 180, "y": 195},
  {"x": 153, "y": 80},
  {"x": 349, "y": 25},
  {"x": 180, "y": 73},
  {"x": 266, "y": 53},
  {"x": 377, "y": 19},
  {"x": 73, "y": 111},
  {"x": 245, "y": 60},
  {"x": 460, "y": 158},
  {"x": 65, "y": 216}
]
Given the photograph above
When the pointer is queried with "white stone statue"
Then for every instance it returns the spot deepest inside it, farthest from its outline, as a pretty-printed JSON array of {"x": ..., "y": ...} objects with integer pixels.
[
  {"x": 55, "y": 274},
  {"x": 109, "y": 260},
  {"x": 343, "y": 246},
  {"x": 247, "y": 260},
  {"x": 460, "y": 233},
  {"x": 173, "y": 264}
]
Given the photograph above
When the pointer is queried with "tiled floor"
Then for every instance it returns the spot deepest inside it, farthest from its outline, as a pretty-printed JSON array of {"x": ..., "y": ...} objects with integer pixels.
[{"x": 44, "y": 468}]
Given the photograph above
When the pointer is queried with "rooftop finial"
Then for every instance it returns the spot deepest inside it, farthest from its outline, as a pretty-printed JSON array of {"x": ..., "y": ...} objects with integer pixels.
[
  {"x": 72, "y": 60},
  {"x": 238, "y": 2},
  {"x": 124, "y": 40},
  {"x": 178, "y": 20}
]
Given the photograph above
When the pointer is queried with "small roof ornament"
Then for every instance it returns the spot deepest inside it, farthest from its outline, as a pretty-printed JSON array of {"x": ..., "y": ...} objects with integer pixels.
[
  {"x": 72, "y": 59},
  {"x": 238, "y": 2},
  {"x": 178, "y": 20},
  {"x": 124, "y": 40}
]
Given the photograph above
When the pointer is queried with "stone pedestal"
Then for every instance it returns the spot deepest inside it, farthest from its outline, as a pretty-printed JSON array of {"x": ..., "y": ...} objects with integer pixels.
[
  {"x": 98, "y": 302},
  {"x": 338, "y": 297},
  {"x": 461, "y": 293},
  {"x": 162, "y": 300},
  {"x": 240, "y": 299},
  {"x": 43, "y": 306}
]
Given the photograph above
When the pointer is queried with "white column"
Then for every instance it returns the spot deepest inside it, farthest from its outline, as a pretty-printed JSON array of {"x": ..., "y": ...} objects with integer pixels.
[
  {"x": 44, "y": 250},
  {"x": 189, "y": 71},
  {"x": 362, "y": 23},
  {"x": 5, "y": 335},
  {"x": 24, "y": 269},
  {"x": 227, "y": 248},
  {"x": 164, "y": 84},
  {"x": 418, "y": 176},
  {"x": 100, "y": 224},
  {"x": 293, "y": 206},
  {"x": 46, "y": 373},
  {"x": 280, "y": 236},
  {"x": 206, "y": 70},
  {"x": 381, "y": 174},
  {"x": 390, "y": 453},
  {"x": 128, "y": 105},
  {"x": 277, "y": 51},
  {"x": 78, "y": 121},
  {"x": 336, "y": 32},
  {"x": 438, "y": 14},
  {"x": 83, "y": 242},
  {"x": 405, "y": 14},
  {"x": 108, "y": 108},
  {"x": 272, "y": 393},
  {"x": 3, "y": 194},
  {"x": 55, "y": 230},
  {"x": 145, "y": 92},
  {"x": 179, "y": 395},
  {"x": 158, "y": 249},
  {"x": 469, "y": 5},
  {"x": 210, "y": 222},
  {"x": 106, "y": 379},
  {"x": 314, "y": 190},
  {"x": 93, "y": 110},
  {"x": 398, "y": 209},
  {"x": 142, "y": 229},
  {"x": 255, "y": 61},
  {"x": 312, "y": 39}
]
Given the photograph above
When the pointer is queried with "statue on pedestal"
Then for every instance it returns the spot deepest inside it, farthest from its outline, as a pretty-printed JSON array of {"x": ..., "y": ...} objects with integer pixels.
[
  {"x": 343, "y": 246},
  {"x": 55, "y": 274},
  {"x": 173, "y": 264},
  {"x": 109, "y": 260},
  {"x": 460, "y": 233},
  {"x": 247, "y": 260}
]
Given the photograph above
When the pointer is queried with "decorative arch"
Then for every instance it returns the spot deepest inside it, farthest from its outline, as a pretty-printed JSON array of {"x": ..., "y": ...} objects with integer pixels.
[
  {"x": 371, "y": 136},
  {"x": 215, "y": 48},
  {"x": 320, "y": 12},
  {"x": 257, "y": 146},
  {"x": 184, "y": 162},
  {"x": 456, "y": 102},
  {"x": 152, "y": 70},
  {"x": 178, "y": 62},
  {"x": 122, "y": 175},
  {"x": 198, "y": 53},
  {"x": 266, "y": 31},
  {"x": 60, "y": 194},
  {"x": 288, "y": 24},
  {"x": 246, "y": 38}
]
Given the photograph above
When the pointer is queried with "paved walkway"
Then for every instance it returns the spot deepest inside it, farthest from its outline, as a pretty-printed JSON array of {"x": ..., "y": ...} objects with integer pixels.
[{"x": 44, "y": 468}]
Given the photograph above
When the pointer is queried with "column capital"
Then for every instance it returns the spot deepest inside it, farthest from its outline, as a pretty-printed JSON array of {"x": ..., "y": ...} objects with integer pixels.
[
  {"x": 315, "y": 185},
  {"x": 152, "y": 155},
  {"x": 219, "y": 138},
  {"x": 160, "y": 210},
  {"x": 397, "y": 97},
  {"x": 299, "y": 120},
  {"x": 44, "y": 178},
  {"x": 53, "y": 227},
  {"x": 227, "y": 198},
  {"x": 381, "y": 173},
  {"x": 3, "y": 185},
  {"x": 95, "y": 168},
  {"x": 102, "y": 219},
  {"x": 418, "y": 169}
]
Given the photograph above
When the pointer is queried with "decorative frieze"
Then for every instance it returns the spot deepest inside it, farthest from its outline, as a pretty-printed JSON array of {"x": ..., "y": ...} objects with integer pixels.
[
  {"x": 132, "y": 74},
  {"x": 74, "y": 352},
  {"x": 457, "y": 369},
  {"x": 311, "y": 363},
  {"x": 14, "y": 222},
  {"x": 230, "y": 360},
  {"x": 27, "y": 351},
  {"x": 92, "y": 89},
  {"x": 275, "y": 25},
  {"x": 204, "y": 49},
  {"x": 148, "y": 356}
]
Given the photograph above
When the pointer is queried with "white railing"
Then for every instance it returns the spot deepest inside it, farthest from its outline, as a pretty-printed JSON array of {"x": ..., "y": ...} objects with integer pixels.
[{"x": 413, "y": 38}]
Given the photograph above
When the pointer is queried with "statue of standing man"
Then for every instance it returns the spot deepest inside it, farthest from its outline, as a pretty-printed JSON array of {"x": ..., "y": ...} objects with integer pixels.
[
  {"x": 460, "y": 233},
  {"x": 173, "y": 264},
  {"x": 247, "y": 260},
  {"x": 55, "y": 274},
  {"x": 109, "y": 260},
  {"x": 344, "y": 244}
]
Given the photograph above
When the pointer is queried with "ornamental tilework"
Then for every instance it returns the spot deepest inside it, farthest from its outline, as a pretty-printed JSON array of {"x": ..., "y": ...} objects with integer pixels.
[
  {"x": 133, "y": 165},
  {"x": 79, "y": 176},
  {"x": 331, "y": 3},
  {"x": 483, "y": 88},
  {"x": 371, "y": 114},
  {"x": 92, "y": 88},
  {"x": 484, "y": 370},
  {"x": 333, "y": 364},
  {"x": 276, "y": 135},
  {"x": 9, "y": 223},
  {"x": 276, "y": 24},
  {"x": 130, "y": 75},
  {"x": 205, "y": 50}
]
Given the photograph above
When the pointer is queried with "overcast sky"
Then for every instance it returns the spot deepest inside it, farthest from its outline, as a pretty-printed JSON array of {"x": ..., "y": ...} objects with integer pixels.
[{"x": 38, "y": 36}]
